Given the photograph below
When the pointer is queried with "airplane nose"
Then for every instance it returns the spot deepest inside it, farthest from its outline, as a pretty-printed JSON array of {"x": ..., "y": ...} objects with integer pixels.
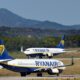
[{"x": 26, "y": 52}]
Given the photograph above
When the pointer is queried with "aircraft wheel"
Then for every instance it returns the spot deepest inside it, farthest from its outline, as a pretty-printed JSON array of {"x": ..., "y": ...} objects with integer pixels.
[
  {"x": 27, "y": 56},
  {"x": 58, "y": 74},
  {"x": 50, "y": 57},
  {"x": 39, "y": 74},
  {"x": 23, "y": 74},
  {"x": 40, "y": 57}
]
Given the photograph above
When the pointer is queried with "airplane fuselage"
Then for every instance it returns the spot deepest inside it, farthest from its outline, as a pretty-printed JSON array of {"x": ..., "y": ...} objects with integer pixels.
[
  {"x": 44, "y": 51},
  {"x": 31, "y": 65}
]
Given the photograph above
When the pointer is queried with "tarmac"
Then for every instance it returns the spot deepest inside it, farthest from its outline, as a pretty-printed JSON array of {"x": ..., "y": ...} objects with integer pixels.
[{"x": 42, "y": 78}]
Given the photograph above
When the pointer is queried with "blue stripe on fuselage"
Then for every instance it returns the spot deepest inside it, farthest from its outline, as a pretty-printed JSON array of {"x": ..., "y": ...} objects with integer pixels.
[{"x": 17, "y": 69}]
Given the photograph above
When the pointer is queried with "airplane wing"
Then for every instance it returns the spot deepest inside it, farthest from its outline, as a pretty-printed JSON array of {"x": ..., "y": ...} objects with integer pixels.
[
  {"x": 44, "y": 69},
  {"x": 3, "y": 60},
  {"x": 68, "y": 50}
]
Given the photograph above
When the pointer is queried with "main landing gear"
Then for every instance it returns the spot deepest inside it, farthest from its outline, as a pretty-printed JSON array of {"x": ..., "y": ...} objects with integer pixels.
[
  {"x": 39, "y": 74},
  {"x": 23, "y": 74}
]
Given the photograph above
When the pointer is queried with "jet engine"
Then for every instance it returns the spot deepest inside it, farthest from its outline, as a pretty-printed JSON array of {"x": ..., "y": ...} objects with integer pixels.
[
  {"x": 48, "y": 54},
  {"x": 53, "y": 71}
]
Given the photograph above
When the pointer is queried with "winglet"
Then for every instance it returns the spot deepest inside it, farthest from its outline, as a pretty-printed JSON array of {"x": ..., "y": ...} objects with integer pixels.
[
  {"x": 22, "y": 49},
  {"x": 72, "y": 61}
]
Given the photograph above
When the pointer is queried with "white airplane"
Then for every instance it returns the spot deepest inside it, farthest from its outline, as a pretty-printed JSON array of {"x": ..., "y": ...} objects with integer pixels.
[
  {"x": 45, "y": 51},
  {"x": 27, "y": 66}
]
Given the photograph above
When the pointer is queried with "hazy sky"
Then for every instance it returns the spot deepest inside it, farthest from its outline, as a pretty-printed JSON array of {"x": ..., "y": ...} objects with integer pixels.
[{"x": 61, "y": 11}]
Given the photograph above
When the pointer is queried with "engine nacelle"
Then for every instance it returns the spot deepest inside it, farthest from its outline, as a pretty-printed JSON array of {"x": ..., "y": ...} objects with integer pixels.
[
  {"x": 48, "y": 54},
  {"x": 53, "y": 71},
  {"x": 45, "y": 53}
]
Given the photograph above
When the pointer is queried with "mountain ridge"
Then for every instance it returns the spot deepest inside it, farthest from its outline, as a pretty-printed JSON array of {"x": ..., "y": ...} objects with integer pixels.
[{"x": 8, "y": 18}]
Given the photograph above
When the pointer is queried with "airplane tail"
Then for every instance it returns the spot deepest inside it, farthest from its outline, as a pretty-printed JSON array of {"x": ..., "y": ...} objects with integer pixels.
[
  {"x": 61, "y": 44},
  {"x": 3, "y": 52}
]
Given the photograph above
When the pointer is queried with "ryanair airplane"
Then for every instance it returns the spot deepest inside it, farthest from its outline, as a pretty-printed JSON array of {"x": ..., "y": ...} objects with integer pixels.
[
  {"x": 45, "y": 51},
  {"x": 27, "y": 66}
]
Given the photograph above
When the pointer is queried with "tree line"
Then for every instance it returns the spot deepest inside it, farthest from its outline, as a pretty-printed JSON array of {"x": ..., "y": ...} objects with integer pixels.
[{"x": 15, "y": 43}]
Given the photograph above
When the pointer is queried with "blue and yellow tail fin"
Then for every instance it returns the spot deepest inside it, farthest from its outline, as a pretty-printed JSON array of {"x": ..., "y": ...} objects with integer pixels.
[
  {"x": 3, "y": 52},
  {"x": 61, "y": 44}
]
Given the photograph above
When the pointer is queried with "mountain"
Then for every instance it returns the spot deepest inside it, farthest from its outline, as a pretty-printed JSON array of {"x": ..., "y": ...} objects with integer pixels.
[
  {"x": 50, "y": 25},
  {"x": 8, "y": 18}
]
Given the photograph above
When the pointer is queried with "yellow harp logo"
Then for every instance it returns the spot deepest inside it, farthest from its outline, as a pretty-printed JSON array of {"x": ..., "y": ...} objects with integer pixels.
[
  {"x": 62, "y": 41},
  {"x": 1, "y": 49}
]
